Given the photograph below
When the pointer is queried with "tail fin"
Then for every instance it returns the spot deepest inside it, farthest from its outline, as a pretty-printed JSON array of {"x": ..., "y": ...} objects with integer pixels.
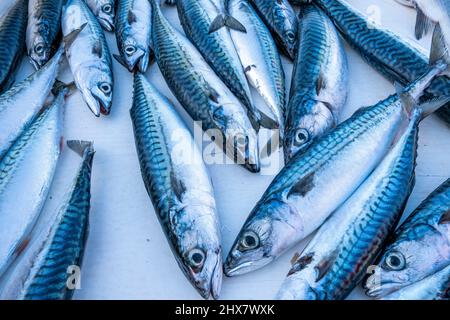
[
  {"x": 81, "y": 146},
  {"x": 223, "y": 20},
  {"x": 439, "y": 50}
]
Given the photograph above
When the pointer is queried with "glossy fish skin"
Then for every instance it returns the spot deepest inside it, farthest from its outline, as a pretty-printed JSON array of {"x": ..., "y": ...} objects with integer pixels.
[
  {"x": 43, "y": 30},
  {"x": 202, "y": 93},
  {"x": 64, "y": 247},
  {"x": 419, "y": 248},
  {"x": 396, "y": 59},
  {"x": 319, "y": 83},
  {"x": 315, "y": 183},
  {"x": 37, "y": 148},
  {"x": 434, "y": 287},
  {"x": 337, "y": 257},
  {"x": 197, "y": 18},
  {"x": 280, "y": 18},
  {"x": 88, "y": 56},
  {"x": 177, "y": 182},
  {"x": 20, "y": 105},
  {"x": 104, "y": 10},
  {"x": 259, "y": 58},
  {"x": 13, "y": 26},
  {"x": 133, "y": 33}
]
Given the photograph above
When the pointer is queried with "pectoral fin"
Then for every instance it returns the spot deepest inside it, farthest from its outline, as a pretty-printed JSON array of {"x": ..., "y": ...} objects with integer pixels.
[{"x": 423, "y": 24}]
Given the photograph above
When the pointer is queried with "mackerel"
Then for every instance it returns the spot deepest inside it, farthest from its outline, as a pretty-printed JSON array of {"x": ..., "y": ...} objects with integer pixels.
[
  {"x": 13, "y": 26},
  {"x": 20, "y": 105},
  {"x": 319, "y": 83},
  {"x": 43, "y": 30},
  {"x": 104, "y": 11},
  {"x": 202, "y": 93},
  {"x": 177, "y": 182}
]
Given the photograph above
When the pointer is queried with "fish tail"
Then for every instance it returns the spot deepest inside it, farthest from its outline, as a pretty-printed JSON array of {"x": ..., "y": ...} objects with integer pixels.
[
  {"x": 81, "y": 147},
  {"x": 225, "y": 20}
]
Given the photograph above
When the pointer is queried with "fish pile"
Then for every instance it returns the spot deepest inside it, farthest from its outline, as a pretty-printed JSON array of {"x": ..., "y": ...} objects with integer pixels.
[{"x": 346, "y": 183}]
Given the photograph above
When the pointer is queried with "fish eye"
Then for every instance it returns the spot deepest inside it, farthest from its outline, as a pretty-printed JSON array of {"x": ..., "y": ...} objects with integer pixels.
[
  {"x": 39, "y": 48},
  {"x": 196, "y": 258},
  {"x": 301, "y": 136},
  {"x": 107, "y": 8},
  {"x": 105, "y": 88},
  {"x": 250, "y": 240},
  {"x": 129, "y": 50},
  {"x": 395, "y": 261},
  {"x": 290, "y": 35}
]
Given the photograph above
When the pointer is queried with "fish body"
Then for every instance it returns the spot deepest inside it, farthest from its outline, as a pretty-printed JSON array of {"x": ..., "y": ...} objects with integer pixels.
[
  {"x": 280, "y": 18},
  {"x": 178, "y": 184},
  {"x": 20, "y": 105},
  {"x": 202, "y": 93},
  {"x": 337, "y": 257},
  {"x": 260, "y": 58},
  {"x": 62, "y": 252},
  {"x": 419, "y": 248},
  {"x": 393, "y": 57},
  {"x": 207, "y": 24},
  {"x": 13, "y": 26},
  {"x": 315, "y": 183},
  {"x": 88, "y": 55},
  {"x": 133, "y": 33},
  {"x": 104, "y": 10},
  {"x": 43, "y": 30},
  {"x": 27, "y": 171},
  {"x": 434, "y": 287},
  {"x": 319, "y": 83}
]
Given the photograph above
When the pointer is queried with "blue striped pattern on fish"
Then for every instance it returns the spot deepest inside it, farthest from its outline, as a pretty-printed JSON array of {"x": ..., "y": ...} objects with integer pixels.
[
  {"x": 13, "y": 27},
  {"x": 43, "y": 30},
  {"x": 65, "y": 246},
  {"x": 337, "y": 257},
  {"x": 319, "y": 83},
  {"x": 386, "y": 52},
  {"x": 280, "y": 18},
  {"x": 419, "y": 248},
  {"x": 177, "y": 182}
]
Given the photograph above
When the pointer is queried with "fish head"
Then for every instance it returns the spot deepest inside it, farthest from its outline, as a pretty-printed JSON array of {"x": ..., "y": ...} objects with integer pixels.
[
  {"x": 285, "y": 16},
  {"x": 310, "y": 120},
  {"x": 135, "y": 54},
  {"x": 241, "y": 140},
  {"x": 39, "y": 51},
  {"x": 200, "y": 252},
  {"x": 264, "y": 236},
  {"x": 106, "y": 14},
  {"x": 97, "y": 90},
  {"x": 400, "y": 265}
]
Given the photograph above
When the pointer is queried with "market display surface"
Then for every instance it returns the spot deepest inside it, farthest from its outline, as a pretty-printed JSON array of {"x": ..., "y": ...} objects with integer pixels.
[{"x": 301, "y": 218}]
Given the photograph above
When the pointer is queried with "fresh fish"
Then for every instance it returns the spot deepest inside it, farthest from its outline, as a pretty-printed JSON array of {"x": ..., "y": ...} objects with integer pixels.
[
  {"x": 133, "y": 33},
  {"x": 338, "y": 256},
  {"x": 396, "y": 59},
  {"x": 435, "y": 287},
  {"x": 202, "y": 93},
  {"x": 88, "y": 56},
  {"x": 280, "y": 18},
  {"x": 319, "y": 83},
  {"x": 62, "y": 252},
  {"x": 20, "y": 105},
  {"x": 26, "y": 173},
  {"x": 207, "y": 24},
  {"x": 13, "y": 26},
  {"x": 259, "y": 58},
  {"x": 44, "y": 30},
  {"x": 419, "y": 248},
  {"x": 179, "y": 187},
  {"x": 315, "y": 183},
  {"x": 104, "y": 10}
]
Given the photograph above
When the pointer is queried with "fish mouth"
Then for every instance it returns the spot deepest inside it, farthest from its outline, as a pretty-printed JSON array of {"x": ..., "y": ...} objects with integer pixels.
[
  {"x": 231, "y": 268},
  {"x": 140, "y": 63},
  {"x": 97, "y": 106},
  {"x": 382, "y": 289},
  {"x": 210, "y": 287},
  {"x": 107, "y": 23},
  {"x": 36, "y": 64}
]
